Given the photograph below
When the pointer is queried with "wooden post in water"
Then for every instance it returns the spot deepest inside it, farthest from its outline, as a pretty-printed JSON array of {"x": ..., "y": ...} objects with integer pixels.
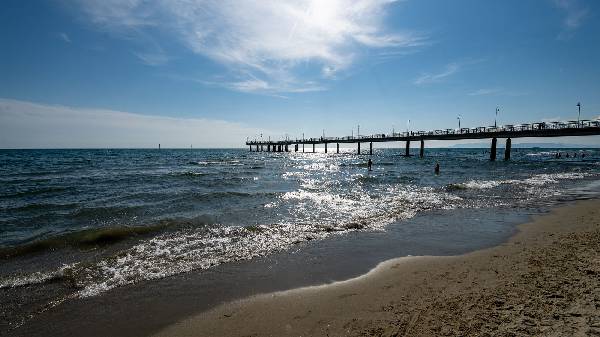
[
  {"x": 325, "y": 147},
  {"x": 313, "y": 147},
  {"x": 407, "y": 150},
  {"x": 250, "y": 148},
  {"x": 507, "y": 149},
  {"x": 338, "y": 148},
  {"x": 358, "y": 147},
  {"x": 493, "y": 149},
  {"x": 422, "y": 150},
  {"x": 371, "y": 148},
  {"x": 302, "y": 147}
]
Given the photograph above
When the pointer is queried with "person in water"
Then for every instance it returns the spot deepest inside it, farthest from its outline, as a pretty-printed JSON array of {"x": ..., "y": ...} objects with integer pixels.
[
  {"x": 437, "y": 168},
  {"x": 370, "y": 164}
]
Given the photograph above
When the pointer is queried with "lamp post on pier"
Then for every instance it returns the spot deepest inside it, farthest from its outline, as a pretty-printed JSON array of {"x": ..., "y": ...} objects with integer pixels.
[
  {"x": 458, "y": 122},
  {"x": 578, "y": 114},
  {"x": 495, "y": 122}
]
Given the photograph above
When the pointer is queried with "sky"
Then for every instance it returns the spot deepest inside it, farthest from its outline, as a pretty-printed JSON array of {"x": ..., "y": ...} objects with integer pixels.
[{"x": 212, "y": 73}]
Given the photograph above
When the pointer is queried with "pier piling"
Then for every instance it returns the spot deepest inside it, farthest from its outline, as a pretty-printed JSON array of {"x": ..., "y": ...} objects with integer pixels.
[
  {"x": 407, "y": 151},
  {"x": 313, "y": 147},
  {"x": 325, "y": 147},
  {"x": 370, "y": 148},
  {"x": 422, "y": 150},
  {"x": 507, "y": 149},
  {"x": 358, "y": 147},
  {"x": 338, "y": 148},
  {"x": 493, "y": 149}
]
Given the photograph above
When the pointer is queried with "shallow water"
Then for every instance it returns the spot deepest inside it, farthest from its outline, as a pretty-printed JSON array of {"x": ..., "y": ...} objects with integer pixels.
[{"x": 149, "y": 214}]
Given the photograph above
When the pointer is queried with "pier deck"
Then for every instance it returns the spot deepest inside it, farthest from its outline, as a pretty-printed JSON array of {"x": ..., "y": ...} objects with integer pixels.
[{"x": 553, "y": 129}]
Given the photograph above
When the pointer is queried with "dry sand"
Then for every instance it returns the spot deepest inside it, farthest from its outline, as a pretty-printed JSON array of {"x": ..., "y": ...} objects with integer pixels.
[{"x": 544, "y": 281}]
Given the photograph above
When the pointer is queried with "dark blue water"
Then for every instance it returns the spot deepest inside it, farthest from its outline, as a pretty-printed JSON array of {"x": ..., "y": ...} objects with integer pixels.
[{"x": 201, "y": 208}]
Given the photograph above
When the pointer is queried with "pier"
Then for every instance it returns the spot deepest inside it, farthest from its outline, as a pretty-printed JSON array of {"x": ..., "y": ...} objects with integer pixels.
[{"x": 507, "y": 132}]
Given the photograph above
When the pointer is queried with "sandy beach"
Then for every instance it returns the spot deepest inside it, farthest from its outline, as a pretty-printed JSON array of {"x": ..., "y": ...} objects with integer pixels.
[{"x": 544, "y": 281}]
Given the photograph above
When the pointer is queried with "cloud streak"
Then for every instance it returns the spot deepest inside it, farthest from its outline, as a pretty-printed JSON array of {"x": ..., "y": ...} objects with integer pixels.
[
  {"x": 485, "y": 91},
  {"x": 496, "y": 92},
  {"x": 429, "y": 78},
  {"x": 64, "y": 37},
  {"x": 575, "y": 15},
  {"x": 32, "y": 125},
  {"x": 285, "y": 44}
]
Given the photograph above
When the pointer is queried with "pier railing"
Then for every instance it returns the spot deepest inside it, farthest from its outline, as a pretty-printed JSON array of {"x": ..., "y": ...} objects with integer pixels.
[{"x": 542, "y": 129}]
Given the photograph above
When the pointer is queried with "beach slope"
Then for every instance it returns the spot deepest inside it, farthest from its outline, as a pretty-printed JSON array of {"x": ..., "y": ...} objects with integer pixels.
[{"x": 544, "y": 281}]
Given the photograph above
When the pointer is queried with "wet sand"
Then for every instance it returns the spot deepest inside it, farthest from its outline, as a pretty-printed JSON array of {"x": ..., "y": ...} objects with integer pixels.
[{"x": 545, "y": 280}]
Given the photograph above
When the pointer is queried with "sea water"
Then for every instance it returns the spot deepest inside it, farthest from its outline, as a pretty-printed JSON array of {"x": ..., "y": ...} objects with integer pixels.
[{"x": 167, "y": 212}]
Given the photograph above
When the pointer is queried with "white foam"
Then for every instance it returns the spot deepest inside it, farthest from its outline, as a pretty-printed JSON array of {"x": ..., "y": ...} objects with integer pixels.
[
  {"x": 33, "y": 278},
  {"x": 323, "y": 214},
  {"x": 482, "y": 184},
  {"x": 553, "y": 178}
]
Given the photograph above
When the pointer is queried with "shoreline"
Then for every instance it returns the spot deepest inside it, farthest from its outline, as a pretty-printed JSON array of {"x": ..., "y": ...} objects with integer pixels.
[
  {"x": 543, "y": 280},
  {"x": 171, "y": 299}
]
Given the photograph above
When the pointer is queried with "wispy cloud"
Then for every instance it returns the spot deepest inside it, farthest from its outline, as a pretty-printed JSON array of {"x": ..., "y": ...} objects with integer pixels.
[
  {"x": 33, "y": 125},
  {"x": 496, "y": 92},
  {"x": 152, "y": 58},
  {"x": 575, "y": 14},
  {"x": 64, "y": 37},
  {"x": 428, "y": 78},
  {"x": 486, "y": 91},
  {"x": 281, "y": 45}
]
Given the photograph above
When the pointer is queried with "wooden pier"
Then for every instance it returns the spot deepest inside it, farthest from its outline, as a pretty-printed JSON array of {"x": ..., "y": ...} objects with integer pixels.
[{"x": 538, "y": 130}]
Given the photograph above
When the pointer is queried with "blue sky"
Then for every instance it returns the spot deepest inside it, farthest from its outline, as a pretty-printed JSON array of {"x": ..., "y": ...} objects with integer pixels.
[{"x": 132, "y": 73}]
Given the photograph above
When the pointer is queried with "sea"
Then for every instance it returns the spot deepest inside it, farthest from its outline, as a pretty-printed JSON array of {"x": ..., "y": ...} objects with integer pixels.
[{"x": 77, "y": 224}]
